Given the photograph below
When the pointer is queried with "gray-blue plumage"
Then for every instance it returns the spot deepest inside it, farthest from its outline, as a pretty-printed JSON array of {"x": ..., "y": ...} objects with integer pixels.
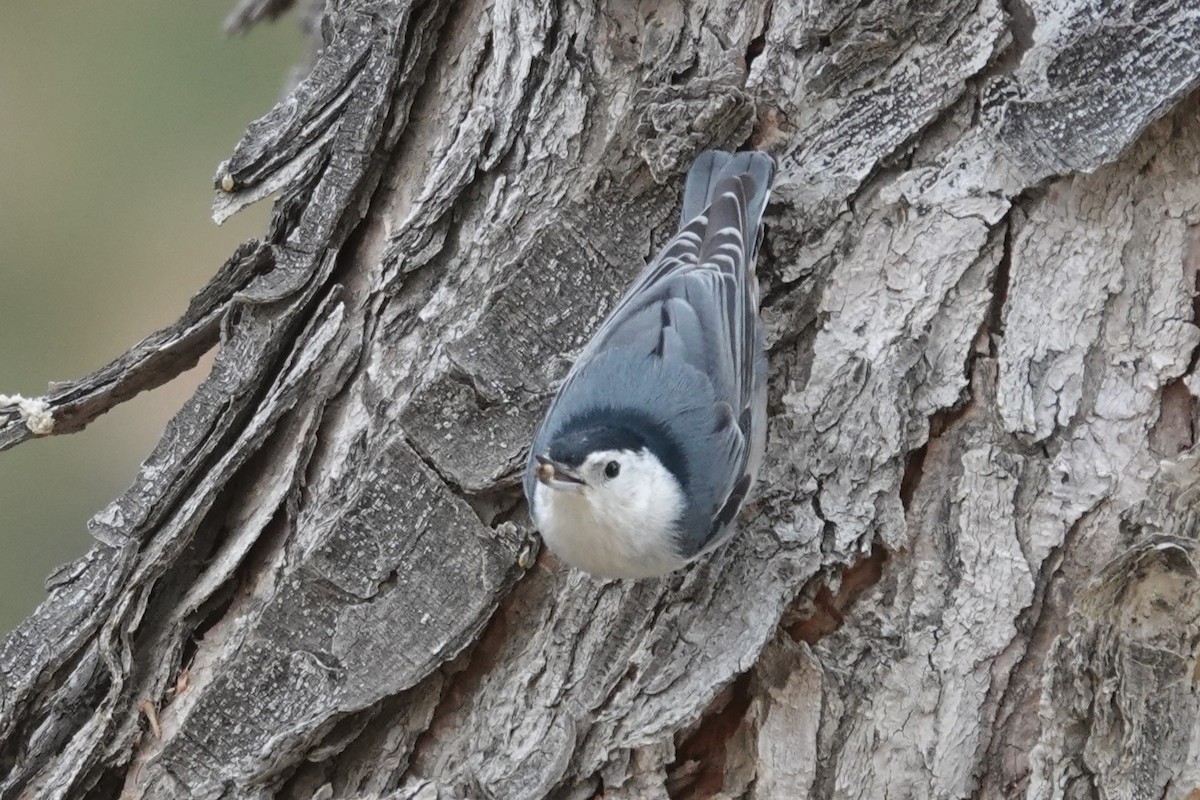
[{"x": 678, "y": 368}]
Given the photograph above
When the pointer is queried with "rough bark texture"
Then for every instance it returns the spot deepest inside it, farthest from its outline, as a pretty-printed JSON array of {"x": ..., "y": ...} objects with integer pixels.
[{"x": 972, "y": 569}]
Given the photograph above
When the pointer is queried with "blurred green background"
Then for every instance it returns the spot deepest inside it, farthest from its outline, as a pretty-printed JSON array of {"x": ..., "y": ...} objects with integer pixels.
[{"x": 113, "y": 118}]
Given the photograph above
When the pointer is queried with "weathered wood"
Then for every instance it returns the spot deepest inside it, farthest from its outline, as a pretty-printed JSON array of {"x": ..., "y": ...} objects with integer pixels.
[{"x": 971, "y": 570}]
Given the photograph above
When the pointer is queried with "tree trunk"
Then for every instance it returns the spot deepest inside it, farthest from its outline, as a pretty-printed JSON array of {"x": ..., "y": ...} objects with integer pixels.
[{"x": 972, "y": 566}]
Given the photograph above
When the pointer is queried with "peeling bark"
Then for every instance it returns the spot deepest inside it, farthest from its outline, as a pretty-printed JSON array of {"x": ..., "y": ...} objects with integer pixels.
[{"x": 971, "y": 570}]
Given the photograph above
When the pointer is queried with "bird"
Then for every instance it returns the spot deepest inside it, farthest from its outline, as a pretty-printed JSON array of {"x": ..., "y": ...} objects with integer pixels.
[{"x": 654, "y": 439}]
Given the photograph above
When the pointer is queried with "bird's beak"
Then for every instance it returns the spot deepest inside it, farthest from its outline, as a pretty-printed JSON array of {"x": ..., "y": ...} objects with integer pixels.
[{"x": 558, "y": 476}]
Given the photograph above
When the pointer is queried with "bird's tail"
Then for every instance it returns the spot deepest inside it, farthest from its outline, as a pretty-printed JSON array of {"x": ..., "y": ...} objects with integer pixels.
[{"x": 707, "y": 172}]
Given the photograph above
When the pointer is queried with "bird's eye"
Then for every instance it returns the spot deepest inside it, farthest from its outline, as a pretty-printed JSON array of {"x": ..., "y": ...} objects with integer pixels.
[{"x": 612, "y": 469}]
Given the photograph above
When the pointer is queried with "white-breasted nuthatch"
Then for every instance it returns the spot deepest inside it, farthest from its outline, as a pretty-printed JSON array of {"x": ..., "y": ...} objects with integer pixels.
[{"x": 655, "y": 438}]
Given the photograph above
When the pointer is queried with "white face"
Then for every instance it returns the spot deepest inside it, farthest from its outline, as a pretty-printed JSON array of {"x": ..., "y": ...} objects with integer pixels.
[
  {"x": 620, "y": 522},
  {"x": 617, "y": 472},
  {"x": 624, "y": 483}
]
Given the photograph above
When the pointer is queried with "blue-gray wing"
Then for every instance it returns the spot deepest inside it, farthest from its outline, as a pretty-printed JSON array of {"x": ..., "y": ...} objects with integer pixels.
[{"x": 697, "y": 304}]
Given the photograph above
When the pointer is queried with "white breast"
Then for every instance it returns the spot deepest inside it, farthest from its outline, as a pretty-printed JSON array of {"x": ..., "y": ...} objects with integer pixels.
[{"x": 614, "y": 531}]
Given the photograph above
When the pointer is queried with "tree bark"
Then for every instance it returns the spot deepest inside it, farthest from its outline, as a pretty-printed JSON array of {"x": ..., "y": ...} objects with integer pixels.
[{"x": 972, "y": 566}]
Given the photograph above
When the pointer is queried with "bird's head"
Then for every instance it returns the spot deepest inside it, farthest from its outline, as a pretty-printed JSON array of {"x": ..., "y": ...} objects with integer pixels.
[
  {"x": 612, "y": 454},
  {"x": 613, "y": 487},
  {"x": 604, "y": 475}
]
